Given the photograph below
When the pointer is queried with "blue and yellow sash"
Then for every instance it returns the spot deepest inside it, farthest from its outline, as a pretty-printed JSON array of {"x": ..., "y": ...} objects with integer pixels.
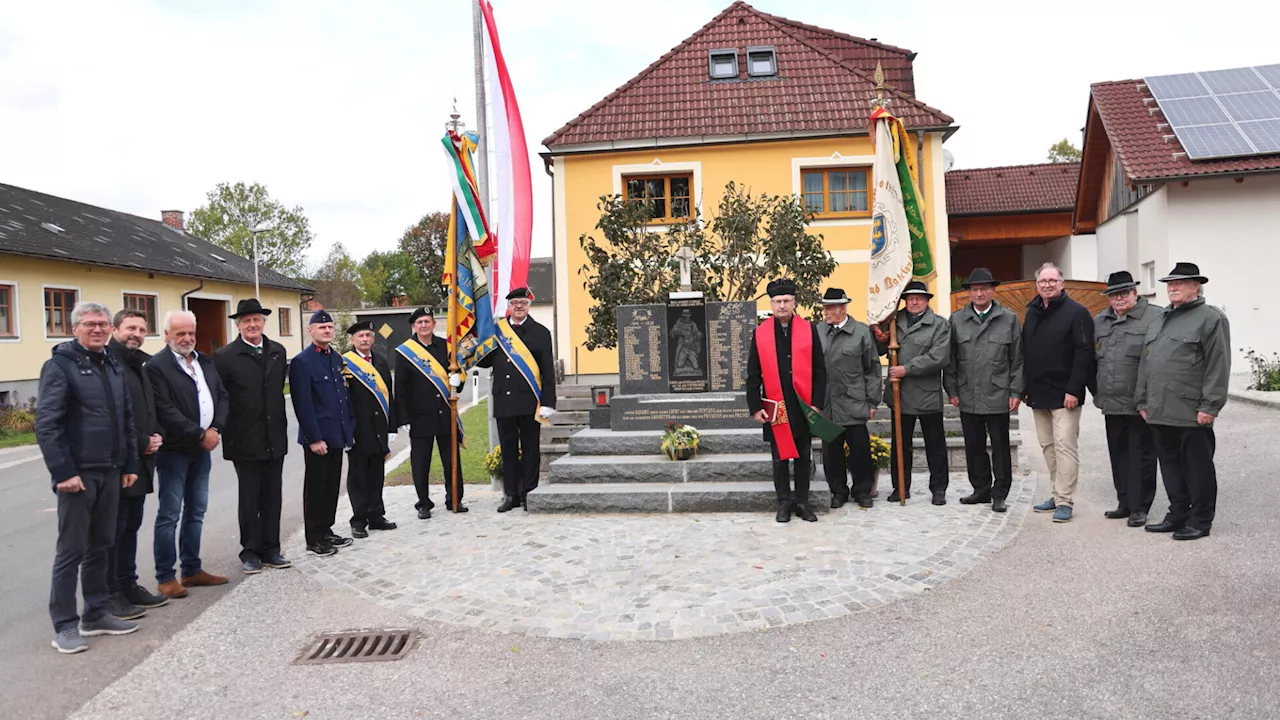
[
  {"x": 369, "y": 377},
  {"x": 524, "y": 362},
  {"x": 417, "y": 355}
]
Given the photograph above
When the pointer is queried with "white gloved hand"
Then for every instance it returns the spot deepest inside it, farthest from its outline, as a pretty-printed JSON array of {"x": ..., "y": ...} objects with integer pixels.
[
  {"x": 391, "y": 438},
  {"x": 455, "y": 380},
  {"x": 404, "y": 428},
  {"x": 546, "y": 412}
]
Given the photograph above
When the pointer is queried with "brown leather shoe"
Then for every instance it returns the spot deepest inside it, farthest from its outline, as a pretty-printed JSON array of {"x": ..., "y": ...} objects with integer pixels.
[
  {"x": 171, "y": 589},
  {"x": 203, "y": 579}
]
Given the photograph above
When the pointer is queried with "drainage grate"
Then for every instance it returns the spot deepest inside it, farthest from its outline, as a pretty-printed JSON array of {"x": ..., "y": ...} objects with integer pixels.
[{"x": 359, "y": 646}]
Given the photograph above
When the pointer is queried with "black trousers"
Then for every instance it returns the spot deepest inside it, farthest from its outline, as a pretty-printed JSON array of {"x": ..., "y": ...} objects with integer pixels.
[
  {"x": 1186, "y": 462},
  {"x": 785, "y": 471},
  {"x": 935, "y": 450},
  {"x": 858, "y": 463},
  {"x": 1132, "y": 445},
  {"x": 261, "y": 486},
  {"x": 983, "y": 468},
  {"x": 122, "y": 560},
  {"x": 86, "y": 529},
  {"x": 420, "y": 452},
  {"x": 521, "y": 455},
  {"x": 321, "y": 484},
  {"x": 365, "y": 476}
]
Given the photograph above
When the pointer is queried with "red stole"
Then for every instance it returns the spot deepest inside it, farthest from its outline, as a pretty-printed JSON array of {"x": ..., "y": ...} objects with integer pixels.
[{"x": 801, "y": 377}]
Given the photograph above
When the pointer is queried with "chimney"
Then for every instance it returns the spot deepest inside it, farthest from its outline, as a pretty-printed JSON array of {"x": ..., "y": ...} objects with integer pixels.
[{"x": 173, "y": 218}]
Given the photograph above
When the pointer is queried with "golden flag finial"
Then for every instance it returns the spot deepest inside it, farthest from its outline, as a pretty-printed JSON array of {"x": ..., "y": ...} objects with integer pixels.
[{"x": 880, "y": 100}]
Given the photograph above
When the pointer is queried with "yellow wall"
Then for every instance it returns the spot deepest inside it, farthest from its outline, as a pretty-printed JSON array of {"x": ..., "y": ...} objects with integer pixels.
[
  {"x": 21, "y": 358},
  {"x": 767, "y": 167}
]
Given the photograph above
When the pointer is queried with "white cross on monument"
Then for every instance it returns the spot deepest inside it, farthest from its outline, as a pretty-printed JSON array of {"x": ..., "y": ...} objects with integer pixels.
[{"x": 685, "y": 257}]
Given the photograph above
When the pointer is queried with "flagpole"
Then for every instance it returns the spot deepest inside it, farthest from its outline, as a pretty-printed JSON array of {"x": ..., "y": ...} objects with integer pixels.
[
  {"x": 482, "y": 167},
  {"x": 894, "y": 383},
  {"x": 452, "y": 343}
]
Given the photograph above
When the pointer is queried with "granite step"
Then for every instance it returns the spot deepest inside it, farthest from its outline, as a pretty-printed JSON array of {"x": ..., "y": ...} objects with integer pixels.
[
  {"x": 613, "y": 469},
  {"x": 646, "y": 497},
  {"x": 573, "y": 403},
  {"x": 570, "y": 417}
]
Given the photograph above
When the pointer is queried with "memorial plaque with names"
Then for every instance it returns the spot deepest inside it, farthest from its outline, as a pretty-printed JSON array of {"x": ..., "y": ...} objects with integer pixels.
[
  {"x": 642, "y": 349},
  {"x": 730, "y": 326},
  {"x": 687, "y": 344}
]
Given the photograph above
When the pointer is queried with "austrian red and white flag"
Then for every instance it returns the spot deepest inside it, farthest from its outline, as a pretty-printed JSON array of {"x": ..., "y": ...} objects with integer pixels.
[{"x": 511, "y": 215}]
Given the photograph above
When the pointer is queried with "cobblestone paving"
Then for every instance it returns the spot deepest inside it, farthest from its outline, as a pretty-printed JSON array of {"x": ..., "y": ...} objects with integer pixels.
[{"x": 660, "y": 577}]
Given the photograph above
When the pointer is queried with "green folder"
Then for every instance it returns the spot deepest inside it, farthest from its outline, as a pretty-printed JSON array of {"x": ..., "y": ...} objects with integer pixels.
[{"x": 820, "y": 426}]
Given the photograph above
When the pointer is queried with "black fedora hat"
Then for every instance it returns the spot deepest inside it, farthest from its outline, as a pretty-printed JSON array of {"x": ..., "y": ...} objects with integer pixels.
[
  {"x": 1119, "y": 282},
  {"x": 915, "y": 287},
  {"x": 250, "y": 306},
  {"x": 980, "y": 276},
  {"x": 835, "y": 296},
  {"x": 1185, "y": 271},
  {"x": 781, "y": 286}
]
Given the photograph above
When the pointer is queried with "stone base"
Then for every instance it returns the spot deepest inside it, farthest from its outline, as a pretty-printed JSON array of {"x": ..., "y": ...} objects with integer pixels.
[
  {"x": 705, "y": 411},
  {"x": 668, "y": 498}
]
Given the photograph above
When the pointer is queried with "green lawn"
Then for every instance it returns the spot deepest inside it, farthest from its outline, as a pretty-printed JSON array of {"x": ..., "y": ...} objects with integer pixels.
[
  {"x": 475, "y": 424},
  {"x": 286, "y": 388},
  {"x": 8, "y": 439}
]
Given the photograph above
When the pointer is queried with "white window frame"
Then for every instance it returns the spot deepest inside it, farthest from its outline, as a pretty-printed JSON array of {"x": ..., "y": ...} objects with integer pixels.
[
  {"x": 711, "y": 63},
  {"x": 657, "y": 167},
  {"x": 289, "y": 324},
  {"x": 44, "y": 324},
  {"x": 159, "y": 318},
  {"x": 799, "y": 165},
  {"x": 1148, "y": 279},
  {"x": 773, "y": 61},
  {"x": 16, "y": 318}
]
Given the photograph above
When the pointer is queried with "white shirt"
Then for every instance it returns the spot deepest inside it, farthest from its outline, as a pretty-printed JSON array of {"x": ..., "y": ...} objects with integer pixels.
[
  {"x": 246, "y": 342},
  {"x": 202, "y": 388}
]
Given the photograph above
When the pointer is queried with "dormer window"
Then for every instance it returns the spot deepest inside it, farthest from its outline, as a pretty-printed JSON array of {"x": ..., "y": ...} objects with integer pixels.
[
  {"x": 724, "y": 64},
  {"x": 762, "y": 61}
]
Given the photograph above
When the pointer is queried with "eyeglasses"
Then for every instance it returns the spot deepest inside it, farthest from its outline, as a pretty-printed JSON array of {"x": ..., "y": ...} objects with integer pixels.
[
  {"x": 95, "y": 325},
  {"x": 1048, "y": 282},
  {"x": 518, "y": 303}
]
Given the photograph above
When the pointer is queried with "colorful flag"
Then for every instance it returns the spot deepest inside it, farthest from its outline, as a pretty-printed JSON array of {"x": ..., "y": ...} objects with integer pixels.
[
  {"x": 472, "y": 335},
  {"x": 899, "y": 242},
  {"x": 513, "y": 220}
]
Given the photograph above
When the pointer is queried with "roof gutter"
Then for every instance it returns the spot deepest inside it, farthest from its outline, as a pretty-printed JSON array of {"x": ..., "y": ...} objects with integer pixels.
[
  {"x": 1205, "y": 176},
  {"x": 661, "y": 143},
  {"x": 192, "y": 291}
]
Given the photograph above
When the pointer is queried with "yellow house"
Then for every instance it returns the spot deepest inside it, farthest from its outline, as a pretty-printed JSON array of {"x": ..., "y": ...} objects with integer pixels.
[
  {"x": 772, "y": 104},
  {"x": 56, "y": 252}
]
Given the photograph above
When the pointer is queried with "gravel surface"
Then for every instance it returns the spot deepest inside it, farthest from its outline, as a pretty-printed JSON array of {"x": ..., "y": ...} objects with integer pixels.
[{"x": 1089, "y": 619}]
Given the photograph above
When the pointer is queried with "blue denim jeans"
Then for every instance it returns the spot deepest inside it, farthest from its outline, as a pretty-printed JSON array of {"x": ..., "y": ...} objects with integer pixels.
[{"x": 183, "y": 492}]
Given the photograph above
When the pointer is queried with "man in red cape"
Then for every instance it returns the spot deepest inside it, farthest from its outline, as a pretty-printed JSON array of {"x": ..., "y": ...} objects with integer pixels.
[{"x": 786, "y": 368}]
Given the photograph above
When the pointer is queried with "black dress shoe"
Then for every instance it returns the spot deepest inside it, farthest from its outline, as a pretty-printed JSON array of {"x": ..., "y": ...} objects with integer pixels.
[
  {"x": 784, "y": 512},
  {"x": 359, "y": 532},
  {"x": 864, "y": 501},
  {"x": 1117, "y": 514},
  {"x": 975, "y": 499},
  {"x": 381, "y": 524},
  {"x": 803, "y": 512},
  {"x": 893, "y": 496},
  {"x": 424, "y": 513},
  {"x": 939, "y": 498},
  {"x": 508, "y": 504},
  {"x": 838, "y": 501},
  {"x": 461, "y": 508},
  {"x": 1190, "y": 533},
  {"x": 1137, "y": 519},
  {"x": 1166, "y": 526},
  {"x": 999, "y": 505}
]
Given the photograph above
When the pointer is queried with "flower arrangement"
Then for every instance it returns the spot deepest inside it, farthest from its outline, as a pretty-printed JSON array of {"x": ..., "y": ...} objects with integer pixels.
[
  {"x": 679, "y": 441},
  {"x": 879, "y": 452},
  {"x": 493, "y": 462}
]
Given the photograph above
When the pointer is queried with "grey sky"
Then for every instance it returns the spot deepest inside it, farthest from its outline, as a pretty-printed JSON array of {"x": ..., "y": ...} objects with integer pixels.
[{"x": 339, "y": 106}]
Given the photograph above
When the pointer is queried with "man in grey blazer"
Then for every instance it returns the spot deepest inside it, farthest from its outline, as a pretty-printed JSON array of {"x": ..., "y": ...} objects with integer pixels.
[{"x": 854, "y": 386}]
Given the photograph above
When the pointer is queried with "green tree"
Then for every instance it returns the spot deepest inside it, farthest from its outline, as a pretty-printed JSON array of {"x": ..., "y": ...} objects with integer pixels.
[
  {"x": 386, "y": 276},
  {"x": 235, "y": 213},
  {"x": 425, "y": 243},
  {"x": 337, "y": 279},
  {"x": 751, "y": 239},
  {"x": 1064, "y": 152}
]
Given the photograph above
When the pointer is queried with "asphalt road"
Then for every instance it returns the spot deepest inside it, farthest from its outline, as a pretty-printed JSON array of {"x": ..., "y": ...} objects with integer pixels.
[{"x": 36, "y": 682}]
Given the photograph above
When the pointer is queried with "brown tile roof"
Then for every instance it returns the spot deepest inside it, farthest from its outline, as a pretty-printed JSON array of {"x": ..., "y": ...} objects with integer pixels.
[
  {"x": 1045, "y": 187},
  {"x": 824, "y": 84},
  {"x": 1137, "y": 130}
]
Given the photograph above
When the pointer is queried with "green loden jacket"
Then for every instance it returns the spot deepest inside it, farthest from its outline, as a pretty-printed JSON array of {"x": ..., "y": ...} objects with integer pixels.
[
  {"x": 853, "y": 372},
  {"x": 1117, "y": 347},
  {"x": 1185, "y": 365},
  {"x": 986, "y": 360},
  {"x": 925, "y": 353}
]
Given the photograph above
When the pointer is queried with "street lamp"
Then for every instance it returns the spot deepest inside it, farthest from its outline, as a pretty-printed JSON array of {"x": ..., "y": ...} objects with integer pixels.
[{"x": 257, "y": 291}]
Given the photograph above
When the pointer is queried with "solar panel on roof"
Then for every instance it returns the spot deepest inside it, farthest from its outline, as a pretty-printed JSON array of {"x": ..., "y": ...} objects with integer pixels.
[{"x": 1222, "y": 113}]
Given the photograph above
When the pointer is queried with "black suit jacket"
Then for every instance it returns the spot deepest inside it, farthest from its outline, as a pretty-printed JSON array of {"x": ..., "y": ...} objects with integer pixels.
[
  {"x": 371, "y": 423},
  {"x": 257, "y": 426},
  {"x": 755, "y": 380},
  {"x": 145, "y": 422},
  {"x": 178, "y": 406},
  {"x": 512, "y": 396},
  {"x": 418, "y": 404}
]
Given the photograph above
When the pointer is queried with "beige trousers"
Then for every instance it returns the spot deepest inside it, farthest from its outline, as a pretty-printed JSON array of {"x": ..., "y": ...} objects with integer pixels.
[{"x": 1059, "y": 432}]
